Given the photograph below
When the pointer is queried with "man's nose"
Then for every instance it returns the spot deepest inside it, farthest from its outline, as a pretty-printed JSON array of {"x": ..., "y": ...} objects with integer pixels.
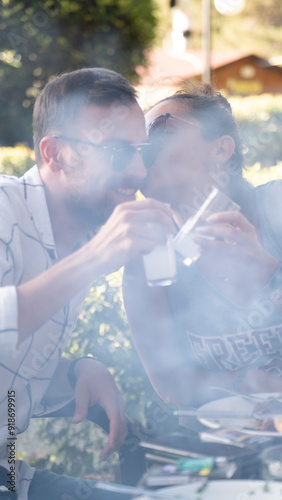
[{"x": 136, "y": 166}]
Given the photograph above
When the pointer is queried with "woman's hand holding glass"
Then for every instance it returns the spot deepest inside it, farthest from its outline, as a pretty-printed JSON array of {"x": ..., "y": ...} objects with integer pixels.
[{"x": 231, "y": 243}]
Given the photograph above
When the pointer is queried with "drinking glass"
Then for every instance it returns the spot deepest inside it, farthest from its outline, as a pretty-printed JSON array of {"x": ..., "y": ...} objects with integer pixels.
[
  {"x": 187, "y": 251},
  {"x": 160, "y": 265}
]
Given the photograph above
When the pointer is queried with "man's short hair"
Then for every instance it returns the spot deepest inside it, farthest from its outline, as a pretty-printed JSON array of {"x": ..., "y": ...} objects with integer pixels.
[{"x": 61, "y": 98}]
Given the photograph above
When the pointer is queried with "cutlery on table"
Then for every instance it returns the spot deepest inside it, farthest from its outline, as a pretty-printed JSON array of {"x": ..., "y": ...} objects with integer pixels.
[
  {"x": 226, "y": 414},
  {"x": 250, "y": 397},
  {"x": 132, "y": 490}
]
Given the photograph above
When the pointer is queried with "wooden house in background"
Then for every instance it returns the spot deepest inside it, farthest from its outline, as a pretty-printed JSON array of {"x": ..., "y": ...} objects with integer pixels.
[
  {"x": 234, "y": 72},
  {"x": 248, "y": 75}
]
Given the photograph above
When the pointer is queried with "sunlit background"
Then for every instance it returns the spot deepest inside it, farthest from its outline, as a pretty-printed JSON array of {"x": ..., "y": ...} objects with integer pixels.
[{"x": 161, "y": 46}]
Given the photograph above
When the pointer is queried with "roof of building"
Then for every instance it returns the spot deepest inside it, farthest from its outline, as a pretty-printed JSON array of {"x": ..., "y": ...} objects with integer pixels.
[{"x": 164, "y": 67}]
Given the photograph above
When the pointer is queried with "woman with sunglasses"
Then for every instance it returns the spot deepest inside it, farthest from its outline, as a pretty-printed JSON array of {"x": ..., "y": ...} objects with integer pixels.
[{"x": 220, "y": 324}]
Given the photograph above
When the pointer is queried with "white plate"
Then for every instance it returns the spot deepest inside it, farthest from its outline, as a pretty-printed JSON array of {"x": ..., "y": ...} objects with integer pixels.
[
  {"x": 236, "y": 404},
  {"x": 231, "y": 490}
]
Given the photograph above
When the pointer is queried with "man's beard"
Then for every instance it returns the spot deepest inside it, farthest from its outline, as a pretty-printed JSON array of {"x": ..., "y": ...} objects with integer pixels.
[
  {"x": 89, "y": 217},
  {"x": 93, "y": 210}
]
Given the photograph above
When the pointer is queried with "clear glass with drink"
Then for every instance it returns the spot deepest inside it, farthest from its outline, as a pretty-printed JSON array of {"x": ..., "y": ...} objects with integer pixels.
[
  {"x": 187, "y": 251},
  {"x": 160, "y": 265}
]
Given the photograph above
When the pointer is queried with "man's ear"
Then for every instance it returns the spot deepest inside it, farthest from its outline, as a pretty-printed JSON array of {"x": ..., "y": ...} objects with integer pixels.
[
  {"x": 224, "y": 148},
  {"x": 49, "y": 149}
]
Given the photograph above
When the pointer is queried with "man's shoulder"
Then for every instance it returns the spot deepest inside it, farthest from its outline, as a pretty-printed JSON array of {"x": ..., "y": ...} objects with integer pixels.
[
  {"x": 13, "y": 188},
  {"x": 10, "y": 190},
  {"x": 13, "y": 199},
  {"x": 9, "y": 181}
]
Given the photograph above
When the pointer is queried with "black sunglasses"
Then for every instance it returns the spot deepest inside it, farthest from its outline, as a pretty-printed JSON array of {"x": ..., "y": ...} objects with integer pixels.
[
  {"x": 121, "y": 155},
  {"x": 156, "y": 130}
]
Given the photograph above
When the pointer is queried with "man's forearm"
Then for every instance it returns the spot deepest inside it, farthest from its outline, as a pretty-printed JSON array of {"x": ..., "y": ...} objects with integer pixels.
[
  {"x": 59, "y": 385},
  {"x": 40, "y": 298},
  {"x": 121, "y": 239}
]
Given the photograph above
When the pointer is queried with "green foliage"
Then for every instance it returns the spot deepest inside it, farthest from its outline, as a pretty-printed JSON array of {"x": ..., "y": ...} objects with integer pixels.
[
  {"x": 15, "y": 161},
  {"x": 73, "y": 449},
  {"x": 257, "y": 175},
  {"x": 257, "y": 29},
  {"x": 43, "y": 38},
  {"x": 260, "y": 122}
]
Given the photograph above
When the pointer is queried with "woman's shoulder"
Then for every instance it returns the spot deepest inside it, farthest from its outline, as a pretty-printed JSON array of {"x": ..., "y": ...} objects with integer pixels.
[
  {"x": 271, "y": 188},
  {"x": 269, "y": 210}
]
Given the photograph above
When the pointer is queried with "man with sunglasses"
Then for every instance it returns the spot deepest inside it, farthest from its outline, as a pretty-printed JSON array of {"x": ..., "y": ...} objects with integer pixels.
[{"x": 70, "y": 219}]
